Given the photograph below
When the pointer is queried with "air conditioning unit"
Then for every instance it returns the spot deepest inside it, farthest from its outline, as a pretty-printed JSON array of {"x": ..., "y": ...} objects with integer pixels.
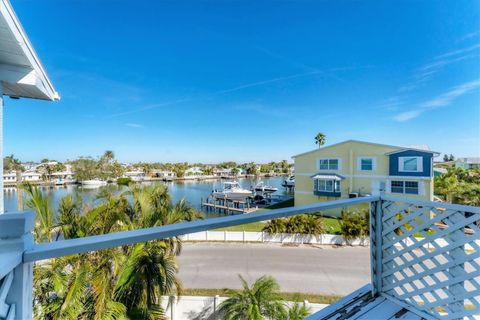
[{"x": 353, "y": 195}]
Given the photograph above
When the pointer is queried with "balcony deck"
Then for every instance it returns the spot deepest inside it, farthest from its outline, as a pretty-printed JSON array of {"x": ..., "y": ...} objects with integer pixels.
[{"x": 425, "y": 258}]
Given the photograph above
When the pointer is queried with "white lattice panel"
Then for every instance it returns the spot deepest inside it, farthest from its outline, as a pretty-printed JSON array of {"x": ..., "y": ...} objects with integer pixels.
[{"x": 429, "y": 257}]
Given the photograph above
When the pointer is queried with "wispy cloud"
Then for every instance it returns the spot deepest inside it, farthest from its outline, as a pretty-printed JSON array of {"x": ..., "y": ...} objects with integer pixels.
[
  {"x": 269, "y": 81},
  {"x": 216, "y": 93},
  {"x": 442, "y": 100},
  {"x": 263, "y": 110},
  {"x": 134, "y": 125},
  {"x": 459, "y": 51},
  {"x": 426, "y": 72},
  {"x": 470, "y": 35},
  {"x": 392, "y": 104}
]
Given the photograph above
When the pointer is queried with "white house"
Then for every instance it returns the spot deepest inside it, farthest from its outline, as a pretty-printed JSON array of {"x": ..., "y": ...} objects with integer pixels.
[
  {"x": 194, "y": 172},
  {"x": 468, "y": 163},
  {"x": 164, "y": 174}
]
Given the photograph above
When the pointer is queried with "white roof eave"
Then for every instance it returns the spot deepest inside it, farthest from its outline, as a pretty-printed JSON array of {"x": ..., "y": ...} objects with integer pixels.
[{"x": 30, "y": 80}]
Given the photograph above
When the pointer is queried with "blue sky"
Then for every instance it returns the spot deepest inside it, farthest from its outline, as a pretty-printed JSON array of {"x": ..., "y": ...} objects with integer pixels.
[{"x": 208, "y": 81}]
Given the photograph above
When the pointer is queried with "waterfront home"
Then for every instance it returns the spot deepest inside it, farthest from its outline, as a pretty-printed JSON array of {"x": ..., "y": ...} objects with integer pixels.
[
  {"x": 468, "y": 163},
  {"x": 193, "y": 172},
  {"x": 10, "y": 177},
  {"x": 31, "y": 176},
  {"x": 353, "y": 169},
  {"x": 135, "y": 175},
  {"x": 63, "y": 177},
  {"x": 164, "y": 174},
  {"x": 222, "y": 172}
]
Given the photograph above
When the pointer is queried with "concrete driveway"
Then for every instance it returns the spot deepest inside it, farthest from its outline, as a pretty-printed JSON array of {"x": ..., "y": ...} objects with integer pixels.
[{"x": 320, "y": 270}]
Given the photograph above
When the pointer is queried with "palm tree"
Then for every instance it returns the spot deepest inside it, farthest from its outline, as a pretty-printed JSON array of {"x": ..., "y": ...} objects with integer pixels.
[
  {"x": 116, "y": 283},
  {"x": 298, "y": 311},
  {"x": 258, "y": 302},
  {"x": 45, "y": 218},
  {"x": 108, "y": 156},
  {"x": 320, "y": 139},
  {"x": 149, "y": 270}
]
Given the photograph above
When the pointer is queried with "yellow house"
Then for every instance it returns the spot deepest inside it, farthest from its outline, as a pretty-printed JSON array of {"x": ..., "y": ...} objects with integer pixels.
[{"x": 356, "y": 168}]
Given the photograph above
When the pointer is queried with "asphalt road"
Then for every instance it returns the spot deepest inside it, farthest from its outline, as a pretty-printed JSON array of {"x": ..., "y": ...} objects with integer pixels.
[{"x": 320, "y": 270}]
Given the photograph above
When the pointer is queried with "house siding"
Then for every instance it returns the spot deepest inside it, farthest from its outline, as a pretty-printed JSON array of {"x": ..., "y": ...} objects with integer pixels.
[
  {"x": 356, "y": 180},
  {"x": 427, "y": 164}
]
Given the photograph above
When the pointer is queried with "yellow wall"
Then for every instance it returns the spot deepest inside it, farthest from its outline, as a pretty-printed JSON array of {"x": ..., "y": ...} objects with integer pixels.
[{"x": 355, "y": 180}]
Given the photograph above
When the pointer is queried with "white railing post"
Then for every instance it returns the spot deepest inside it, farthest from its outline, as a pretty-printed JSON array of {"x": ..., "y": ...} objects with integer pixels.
[{"x": 16, "y": 237}]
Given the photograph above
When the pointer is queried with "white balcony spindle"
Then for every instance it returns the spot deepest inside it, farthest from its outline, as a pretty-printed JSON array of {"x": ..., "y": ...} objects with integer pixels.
[{"x": 16, "y": 237}]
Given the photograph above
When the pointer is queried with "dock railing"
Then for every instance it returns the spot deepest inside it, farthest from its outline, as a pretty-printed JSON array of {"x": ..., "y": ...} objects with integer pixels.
[{"x": 422, "y": 256}]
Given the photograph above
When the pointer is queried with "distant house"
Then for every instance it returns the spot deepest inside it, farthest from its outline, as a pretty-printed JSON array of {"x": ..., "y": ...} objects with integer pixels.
[
  {"x": 31, "y": 176},
  {"x": 194, "y": 172},
  {"x": 135, "y": 175},
  {"x": 221, "y": 172},
  {"x": 468, "y": 163},
  {"x": 10, "y": 177},
  {"x": 356, "y": 168},
  {"x": 164, "y": 174}
]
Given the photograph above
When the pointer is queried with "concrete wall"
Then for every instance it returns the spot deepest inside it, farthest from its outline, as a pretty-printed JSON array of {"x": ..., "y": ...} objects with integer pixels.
[{"x": 202, "y": 308}]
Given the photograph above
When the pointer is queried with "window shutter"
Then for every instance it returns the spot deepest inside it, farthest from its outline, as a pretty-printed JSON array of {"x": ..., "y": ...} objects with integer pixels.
[{"x": 389, "y": 187}]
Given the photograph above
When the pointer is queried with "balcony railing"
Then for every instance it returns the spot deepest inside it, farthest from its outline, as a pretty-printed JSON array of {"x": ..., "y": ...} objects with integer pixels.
[{"x": 425, "y": 256}]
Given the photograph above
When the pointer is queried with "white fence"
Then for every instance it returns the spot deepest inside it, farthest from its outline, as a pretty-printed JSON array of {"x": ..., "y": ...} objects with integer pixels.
[
  {"x": 202, "y": 308},
  {"x": 285, "y": 238}
]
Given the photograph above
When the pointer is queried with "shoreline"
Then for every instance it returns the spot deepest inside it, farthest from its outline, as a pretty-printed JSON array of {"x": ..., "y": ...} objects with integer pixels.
[{"x": 151, "y": 179}]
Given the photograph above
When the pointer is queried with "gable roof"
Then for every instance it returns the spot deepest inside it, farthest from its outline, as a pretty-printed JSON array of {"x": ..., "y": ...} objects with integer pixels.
[
  {"x": 365, "y": 142},
  {"x": 21, "y": 72},
  {"x": 407, "y": 149}
]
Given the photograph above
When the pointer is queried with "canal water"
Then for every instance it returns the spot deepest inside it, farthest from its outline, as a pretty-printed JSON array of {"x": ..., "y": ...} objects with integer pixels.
[{"x": 190, "y": 190}]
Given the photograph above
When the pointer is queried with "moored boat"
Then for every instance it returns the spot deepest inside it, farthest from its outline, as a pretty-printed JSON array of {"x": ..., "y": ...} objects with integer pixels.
[
  {"x": 289, "y": 182},
  {"x": 265, "y": 189},
  {"x": 232, "y": 191}
]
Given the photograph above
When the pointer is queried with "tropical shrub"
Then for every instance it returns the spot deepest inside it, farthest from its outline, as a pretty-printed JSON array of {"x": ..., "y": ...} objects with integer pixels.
[
  {"x": 124, "y": 181},
  {"x": 306, "y": 224},
  {"x": 355, "y": 225}
]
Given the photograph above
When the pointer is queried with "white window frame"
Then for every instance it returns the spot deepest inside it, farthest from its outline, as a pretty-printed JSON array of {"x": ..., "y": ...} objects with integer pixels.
[
  {"x": 401, "y": 162},
  {"x": 339, "y": 160},
  {"x": 374, "y": 163},
  {"x": 335, "y": 184},
  {"x": 420, "y": 187}
]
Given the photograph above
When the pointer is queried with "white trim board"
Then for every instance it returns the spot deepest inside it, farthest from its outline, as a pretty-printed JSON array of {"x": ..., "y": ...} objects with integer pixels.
[{"x": 369, "y": 176}]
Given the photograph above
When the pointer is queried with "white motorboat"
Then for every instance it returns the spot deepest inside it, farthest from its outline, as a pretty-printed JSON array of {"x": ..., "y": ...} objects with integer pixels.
[
  {"x": 232, "y": 191},
  {"x": 289, "y": 182},
  {"x": 94, "y": 183},
  {"x": 265, "y": 189},
  {"x": 61, "y": 181}
]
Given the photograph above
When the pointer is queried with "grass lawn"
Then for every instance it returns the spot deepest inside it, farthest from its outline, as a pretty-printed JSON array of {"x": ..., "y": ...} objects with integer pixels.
[
  {"x": 332, "y": 224},
  {"x": 288, "y": 296}
]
